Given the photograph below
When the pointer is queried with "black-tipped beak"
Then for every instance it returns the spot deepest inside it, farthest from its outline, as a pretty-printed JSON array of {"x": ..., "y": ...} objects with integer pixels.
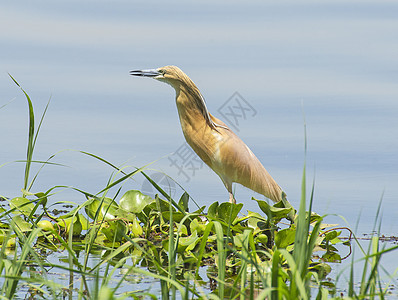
[{"x": 146, "y": 73}]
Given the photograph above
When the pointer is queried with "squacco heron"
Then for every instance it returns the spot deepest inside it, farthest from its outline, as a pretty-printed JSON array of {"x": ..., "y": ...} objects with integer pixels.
[{"x": 213, "y": 141}]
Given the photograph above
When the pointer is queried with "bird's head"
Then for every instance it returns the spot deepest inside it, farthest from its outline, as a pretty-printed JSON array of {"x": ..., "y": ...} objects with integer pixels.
[
  {"x": 169, "y": 74},
  {"x": 180, "y": 82}
]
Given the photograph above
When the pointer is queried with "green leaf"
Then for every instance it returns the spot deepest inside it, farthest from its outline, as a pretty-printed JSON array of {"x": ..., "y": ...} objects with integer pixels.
[
  {"x": 226, "y": 211},
  {"x": 229, "y": 211},
  {"x": 108, "y": 209},
  {"x": 255, "y": 220},
  {"x": 262, "y": 238},
  {"x": 212, "y": 210},
  {"x": 273, "y": 212},
  {"x": 177, "y": 216},
  {"x": 331, "y": 257},
  {"x": 115, "y": 231},
  {"x": 77, "y": 224},
  {"x": 25, "y": 206},
  {"x": 198, "y": 226},
  {"x": 134, "y": 201},
  {"x": 22, "y": 225},
  {"x": 136, "y": 228},
  {"x": 184, "y": 243},
  {"x": 183, "y": 202},
  {"x": 285, "y": 237},
  {"x": 330, "y": 235},
  {"x": 42, "y": 197},
  {"x": 241, "y": 239}
]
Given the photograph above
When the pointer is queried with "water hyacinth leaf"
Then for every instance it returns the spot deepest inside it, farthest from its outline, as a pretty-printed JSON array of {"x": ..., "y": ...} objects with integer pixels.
[
  {"x": 21, "y": 224},
  {"x": 328, "y": 284},
  {"x": 77, "y": 224},
  {"x": 332, "y": 235},
  {"x": 45, "y": 225},
  {"x": 136, "y": 256},
  {"x": 315, "y": 218},
  {"x": 2, "y": 235},
  {"x": 189, "y": 241},
  {"x": 184, "y": 243},
  {"x": 177, "y": 216},
  {"x": 134, "y": 201},
  {"x": 229, "y": 211},
  {"x": 325, "y": 225},
  {"x": 11, "y": 243},
  {"x": 285, "y": 237},
  {"x": 162, "y": 205},
  {"x": 331, "y": 257},
  {"x": 200, "y": 210},
  {"x": 240, "y": 239},
  {"x": 136, "y": 228},
  {"x": 115, "y": 231},
  {"x": 108, "y": 210},
  {"x": 212, "y": 210},
  {"x": 198, "y": 226},
  {"x": 262, "y": 238},
  {"x": 23, "y": 205},
  {"x": 255, "y": 220},
  {"x": 42, "y": 197},
  {"x": 183, "y": 202},
  {"x": 182, "y": 230},
  {"x": 106, "y": 293},
  {"x": 273, "y": 212},
  {"x": 226, "y": 211}
]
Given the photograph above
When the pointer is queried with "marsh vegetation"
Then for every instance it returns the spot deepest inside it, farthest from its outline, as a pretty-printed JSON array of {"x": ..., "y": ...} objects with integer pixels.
[{"x": 109, "y": 244}]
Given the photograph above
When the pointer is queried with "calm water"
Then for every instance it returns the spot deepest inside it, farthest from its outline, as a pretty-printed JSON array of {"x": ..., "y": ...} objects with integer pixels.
[{"x": 333, "y": 62}]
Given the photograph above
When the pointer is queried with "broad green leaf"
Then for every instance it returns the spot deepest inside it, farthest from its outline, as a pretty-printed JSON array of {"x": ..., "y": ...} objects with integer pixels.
[
  {"x": 42, "y": 197},
  {"x": 241, "y": 239},
  {"x": 273, "y": 212},
  {"x": 115, "y": 231},
  {"x": 262, "y": 238},
  {"x": 77, "y": 224},
  {"x": 332, "y": 235},
  {"x": 134, "y": 201},
  {"x": 22, "y": 204},
  {"x": 108, "y": 210},
  {"x": 21, "y": 224},
  {"x": 183, "y": 202},
  {"x": 285, "y": 237},
  {"x": 197, "y": 225},
  {"x": 136, "y": 228},
  {"x": 331, "y": 257},
  {"x": 46, "y": 225},
  {"x": 229, "y": 211},
  {"x": 255, "y": 220},
  {"x": 184, "y": 243},
  {"x": 212, "y": 210},
  {"x": 177, "y": 216}
]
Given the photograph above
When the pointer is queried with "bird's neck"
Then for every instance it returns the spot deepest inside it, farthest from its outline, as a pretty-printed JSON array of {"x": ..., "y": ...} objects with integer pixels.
[{"x": 191, "y": 117}]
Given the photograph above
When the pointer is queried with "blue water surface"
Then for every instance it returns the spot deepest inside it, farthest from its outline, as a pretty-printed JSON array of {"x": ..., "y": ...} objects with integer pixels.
[{"x": 329, "y": 66}]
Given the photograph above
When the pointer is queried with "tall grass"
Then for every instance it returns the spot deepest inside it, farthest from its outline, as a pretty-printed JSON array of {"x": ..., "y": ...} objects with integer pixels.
[
  {"x": 32, "y": 137},
  {"x": 284, "y": 274}
]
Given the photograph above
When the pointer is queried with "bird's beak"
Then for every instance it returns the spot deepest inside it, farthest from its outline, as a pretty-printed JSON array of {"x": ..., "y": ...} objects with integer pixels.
[{"x": 146, "y": 73}]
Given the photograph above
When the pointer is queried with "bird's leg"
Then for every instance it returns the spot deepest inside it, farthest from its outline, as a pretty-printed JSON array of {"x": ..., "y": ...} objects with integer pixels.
[
  {"x": 232, "y": 198},
  {"x": 228, "y": 185}
]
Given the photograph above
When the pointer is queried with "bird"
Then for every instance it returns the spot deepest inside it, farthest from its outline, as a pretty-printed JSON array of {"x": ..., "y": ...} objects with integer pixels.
[{"x": 214, "y": 142}]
